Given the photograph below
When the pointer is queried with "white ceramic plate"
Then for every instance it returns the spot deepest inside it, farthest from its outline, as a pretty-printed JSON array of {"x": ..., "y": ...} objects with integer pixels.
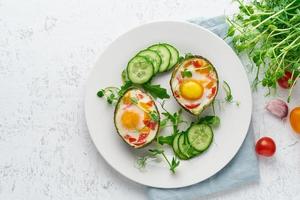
[{"x": 187, "y": 38}]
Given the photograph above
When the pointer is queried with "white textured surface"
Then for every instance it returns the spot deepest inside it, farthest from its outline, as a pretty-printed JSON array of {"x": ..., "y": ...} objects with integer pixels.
[{"x": 47, "y": 49}]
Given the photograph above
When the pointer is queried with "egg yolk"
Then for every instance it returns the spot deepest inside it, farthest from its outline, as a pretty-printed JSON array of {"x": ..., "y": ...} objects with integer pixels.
[
  {"x": 191, "y": 90},
  {"x": 130, "y": 120}
]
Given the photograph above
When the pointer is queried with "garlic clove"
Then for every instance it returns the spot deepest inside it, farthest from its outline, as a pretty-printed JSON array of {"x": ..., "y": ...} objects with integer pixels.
[{"x": 278, "y": 108}]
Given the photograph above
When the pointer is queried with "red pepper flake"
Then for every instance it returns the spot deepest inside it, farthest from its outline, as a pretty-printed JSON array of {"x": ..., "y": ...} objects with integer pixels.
[
  {"x": 179, "y": 79},
  {"x": 213, "y": 92},
  {"x": 209, "y": 76},
  {"x": 188, "y": 63},
  {"x": 146, "y": 121},
  {"x": 142, "y": 139},
  {"x": 150, "y": 124},
  {"x": 176, "y": 94},
  {"x": 140, "y": 143},
  {"x": 150, "y": 103},
  {"x": 129, "y": 138},
  {"x": 126, "y": 106},
  {"x": 192, "y": 106},
  {"x": 140, "y": 96},
  {"x": 197, "y": 63}
]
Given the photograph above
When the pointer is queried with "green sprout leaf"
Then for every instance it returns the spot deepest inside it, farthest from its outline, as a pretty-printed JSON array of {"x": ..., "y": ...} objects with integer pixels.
[
  {"x": 175, "y": 118},
  {"x": 110, "y": 94},
  {"x": 134, "y": 100},
  {"x": 156, "y": 91},
  {"x": 154, "y": 116},
  {"x": 231, "y": 31},
  {"x": 188, "y": 55},
  {"x": 142, "y": 161},
  {"x": 174, "y": 164},
  {"x": 213, "y": 121},
  {"x": 268, "y": 32},
  {"x": 125, "y": 87},
  {"x": 100, "y": 93},
  {"x": 186, "y": 73},
  {"x": 227, "y": 89},
  {"x": 165, "y": 140}
]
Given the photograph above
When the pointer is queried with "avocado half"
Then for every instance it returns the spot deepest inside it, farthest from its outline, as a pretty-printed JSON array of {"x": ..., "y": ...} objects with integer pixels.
[
  {"x": 179, "y": 66},
  {"x": 134, "y": 138}
]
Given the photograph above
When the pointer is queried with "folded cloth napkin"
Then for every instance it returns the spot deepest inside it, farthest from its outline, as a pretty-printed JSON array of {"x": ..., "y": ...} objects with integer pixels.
[{"x": 242, "y": 169}]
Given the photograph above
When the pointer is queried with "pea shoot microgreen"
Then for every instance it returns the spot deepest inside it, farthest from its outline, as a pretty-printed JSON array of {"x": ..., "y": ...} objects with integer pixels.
[
  {"x": 125, "y": 87},
  {"x": 268, "y": 31},
  {"x": 154, "y": 153},
  {"x": 156, "y": 91},
  {"x": 211, "y": 120},
  {"x": 175, "y": 118},
  {"x": 229, "y": 97},
  {"x": 227, "y": 89},
  {"x": 110, "y": 94}
]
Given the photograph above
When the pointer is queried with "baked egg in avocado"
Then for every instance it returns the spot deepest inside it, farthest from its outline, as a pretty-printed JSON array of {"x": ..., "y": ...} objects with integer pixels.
[
  {"x": 136, "y": 118},
  {"x": 194, "y": 84}
]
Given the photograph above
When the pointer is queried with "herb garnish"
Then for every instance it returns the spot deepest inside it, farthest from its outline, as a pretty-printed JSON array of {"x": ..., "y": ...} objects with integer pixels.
[
  {"x": 175, "y": 119},
  {"x": 186, "y": 73},
  {"x": 125, "y": 87},
  {"x": 227, "y": 89},
  {"x": 229, "y": 97},
  {"x": 110, "y": 94},
  {"x": 156, "y": 91},
  {"x": 154, "y": 116},
  {"x": 142, "y": 161},
  {"x": 213, "y": 121},
  {"x": 134, "y": 100}
]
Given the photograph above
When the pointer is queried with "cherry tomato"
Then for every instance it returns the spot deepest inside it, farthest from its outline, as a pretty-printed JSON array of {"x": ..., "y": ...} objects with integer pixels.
[
  {"x": 295, "y": 119},
  {"x": 284, "y": 81},
  {"x": 265, "y": 146}
]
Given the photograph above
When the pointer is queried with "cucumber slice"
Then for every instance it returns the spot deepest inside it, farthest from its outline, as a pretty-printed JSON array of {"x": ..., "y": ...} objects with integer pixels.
[
  {"x": 176, "y": 148},
  {"x": 153, "y": 57},
  {"x": 200, "y": 136},
  {"x": 164, "y": 54},
  {"x": 192, "y": 150},
  {"x": 174, "y": 55},
  {"x": 139, "y": 70},
  {"x": 185, "y": 148},
  {"x": 124, "y": 76}
]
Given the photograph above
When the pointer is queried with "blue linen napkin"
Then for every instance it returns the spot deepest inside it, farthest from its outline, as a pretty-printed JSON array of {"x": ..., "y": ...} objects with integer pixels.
[{"x": 242, "y": 169}]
